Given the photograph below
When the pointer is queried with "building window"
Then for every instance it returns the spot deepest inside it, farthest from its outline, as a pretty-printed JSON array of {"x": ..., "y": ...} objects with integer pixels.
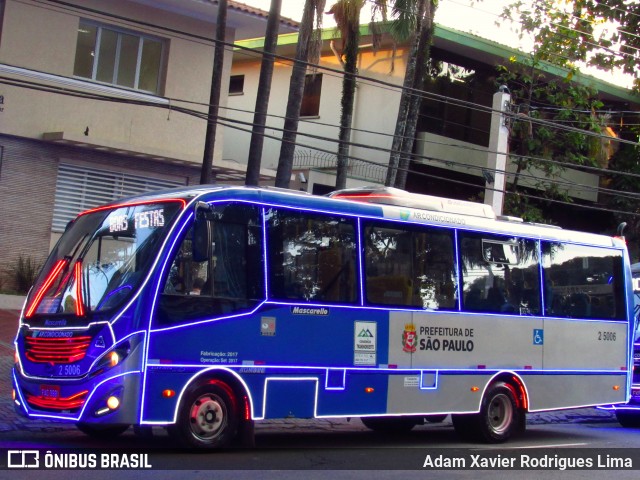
[
  {"x": 451, "y": 119},
  {"x": 311, "y": 96},
  {"x": 236, "y": 85},
  {"x": 118, "y": 58}
]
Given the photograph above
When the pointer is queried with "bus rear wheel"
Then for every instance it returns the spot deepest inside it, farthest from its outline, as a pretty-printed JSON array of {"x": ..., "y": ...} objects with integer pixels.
[
  {"x": 390, "y": 424},
  {"x": 208, "y": 417},
  {"x": 628, "y": 419},
  {"x": 499, "y": 417}
]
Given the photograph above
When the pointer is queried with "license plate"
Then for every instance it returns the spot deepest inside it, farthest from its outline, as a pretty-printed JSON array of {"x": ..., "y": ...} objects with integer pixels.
[{"x": 50, "y": 391}]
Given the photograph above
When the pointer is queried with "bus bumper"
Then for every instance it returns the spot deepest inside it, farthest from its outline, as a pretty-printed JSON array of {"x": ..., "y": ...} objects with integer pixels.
[{"x": 109, "y": 399}]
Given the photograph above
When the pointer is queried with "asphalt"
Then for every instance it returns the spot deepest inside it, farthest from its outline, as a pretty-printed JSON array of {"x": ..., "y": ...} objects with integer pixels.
[{"x": 10, "y": 421}]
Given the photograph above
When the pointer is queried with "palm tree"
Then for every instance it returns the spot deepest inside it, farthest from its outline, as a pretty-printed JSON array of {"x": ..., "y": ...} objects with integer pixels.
[
  {"x": 307, "y": 50},
  {"x": 424, "y": 12},
  {"x": 347, "y": 16},
  {"x": 262, "y": 99},
  {"x": 214, "y": 96}
]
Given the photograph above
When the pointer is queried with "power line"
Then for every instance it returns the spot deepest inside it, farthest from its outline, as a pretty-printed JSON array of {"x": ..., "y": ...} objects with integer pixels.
[
  {"x": 448, "y": 99},
  {"x": 559, "y": 163},
  {"x": 222, "y": 120},
  {"x": 522, "y": 194}
]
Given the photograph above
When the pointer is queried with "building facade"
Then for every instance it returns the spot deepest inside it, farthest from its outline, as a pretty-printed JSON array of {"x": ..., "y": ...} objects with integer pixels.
[
  {"x": 453, "y": 128},
  {"x": 102, "y": 100}
]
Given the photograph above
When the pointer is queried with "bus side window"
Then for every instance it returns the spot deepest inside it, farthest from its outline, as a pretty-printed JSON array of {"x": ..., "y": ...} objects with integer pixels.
[
  {"x": 312, "y": 257},
  {"x": 582, "y": 281},
  {"x": 186, "y": 276},
  {"x": 500, "y": 274},
  {"x": 230, "y": 278},
  {"x": 409, "y": 266}
]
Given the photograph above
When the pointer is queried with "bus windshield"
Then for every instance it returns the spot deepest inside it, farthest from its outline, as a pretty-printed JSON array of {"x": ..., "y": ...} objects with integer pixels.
[{"x": 101, "y": 259}]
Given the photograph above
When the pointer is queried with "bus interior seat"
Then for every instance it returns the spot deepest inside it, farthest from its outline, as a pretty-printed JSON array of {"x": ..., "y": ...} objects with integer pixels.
[{"x": 389, "y": 290}]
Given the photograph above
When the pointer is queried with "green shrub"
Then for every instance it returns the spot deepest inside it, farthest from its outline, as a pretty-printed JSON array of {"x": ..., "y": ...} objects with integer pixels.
[{"x": 23, "y": 273}]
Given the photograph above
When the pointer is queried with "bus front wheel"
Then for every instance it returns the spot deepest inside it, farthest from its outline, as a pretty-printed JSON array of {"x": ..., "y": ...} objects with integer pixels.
[{"x": 208, "y": 417}]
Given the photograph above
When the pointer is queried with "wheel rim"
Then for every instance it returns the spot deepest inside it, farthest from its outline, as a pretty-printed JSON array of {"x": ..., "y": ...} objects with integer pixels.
[
  {"x": 208, "y": 417},
  {"x": 500, "y": 413}
]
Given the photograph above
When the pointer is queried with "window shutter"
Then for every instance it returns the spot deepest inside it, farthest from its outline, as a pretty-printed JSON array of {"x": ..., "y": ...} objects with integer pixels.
[{"x": 81, "y": 188}]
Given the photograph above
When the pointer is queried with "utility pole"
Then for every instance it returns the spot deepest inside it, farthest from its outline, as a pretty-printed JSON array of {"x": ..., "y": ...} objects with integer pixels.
[{"x": 498, "y": 146}]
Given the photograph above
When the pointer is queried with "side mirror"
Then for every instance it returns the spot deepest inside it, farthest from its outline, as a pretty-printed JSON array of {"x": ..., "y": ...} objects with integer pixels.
[{"x": 202, "y": 238}]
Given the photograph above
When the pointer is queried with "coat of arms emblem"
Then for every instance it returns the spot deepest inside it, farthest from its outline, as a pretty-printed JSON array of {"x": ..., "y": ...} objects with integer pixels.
[{"x": 409, "y": 338}]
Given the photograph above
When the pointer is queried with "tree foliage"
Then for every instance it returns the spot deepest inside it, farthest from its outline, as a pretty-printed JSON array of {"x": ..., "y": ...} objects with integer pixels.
[
  {"x": 568, "y": 34},
  {"x": 539, "y": 147},
  {"x": 602, "y": 33}
]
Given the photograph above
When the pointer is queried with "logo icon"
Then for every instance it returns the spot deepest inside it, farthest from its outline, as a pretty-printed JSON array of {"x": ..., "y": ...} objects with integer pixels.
[
  {"x": 268, "y": 327},
  {"x": 538, "y": 336},
  {"x": 365, "y": 333},
  {"x": 23, "y": 459},
  {"x": 409, "y": 338}
]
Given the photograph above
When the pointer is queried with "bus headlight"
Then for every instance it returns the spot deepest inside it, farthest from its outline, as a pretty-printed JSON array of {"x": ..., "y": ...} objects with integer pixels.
[
  {"x": 109, "y": 403},
  {"x": 112, "y": 358}
]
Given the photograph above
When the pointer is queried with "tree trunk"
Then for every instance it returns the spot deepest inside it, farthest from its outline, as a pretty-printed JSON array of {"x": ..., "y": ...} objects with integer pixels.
[
  {"x": 296, "y": 90},
  {"x": 403, "y": 108},
  {"x": 206, "y": 174},
  {"x": 348, "y": 97},
  {"x": 415, "y": 102},
  {"x": 262, "y": 99}
]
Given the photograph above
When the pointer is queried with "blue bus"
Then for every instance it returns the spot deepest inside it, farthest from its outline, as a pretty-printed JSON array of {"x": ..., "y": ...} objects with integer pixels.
[
  {"x": 206, "y": 309},
  {"x": 628, "y": 414}
]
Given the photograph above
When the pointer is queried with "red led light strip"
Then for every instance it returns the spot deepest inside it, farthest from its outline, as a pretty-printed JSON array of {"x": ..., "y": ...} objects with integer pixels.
[
  {"x": 47, "y": 283},
  {"x": 67, "y": 403},
  {"x": 79, "y": 303},
  {"x": 56, "y": 350},
  {"x": 134, "y": 204}
]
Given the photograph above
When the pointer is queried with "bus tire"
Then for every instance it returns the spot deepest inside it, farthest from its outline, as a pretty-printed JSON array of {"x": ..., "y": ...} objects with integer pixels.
[
  {"x": 103, "y": 432},
  {"x": 208, "y": 417},
  {"x": 498, "y": 420},
  {"x": 499, "y": 417},
  {"x": 628, "y": 419},
  {"x": 391, "y": 424}
]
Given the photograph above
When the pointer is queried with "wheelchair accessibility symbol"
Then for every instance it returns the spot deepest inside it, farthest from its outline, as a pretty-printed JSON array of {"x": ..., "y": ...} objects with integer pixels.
[{"x": 538, "y": 336}]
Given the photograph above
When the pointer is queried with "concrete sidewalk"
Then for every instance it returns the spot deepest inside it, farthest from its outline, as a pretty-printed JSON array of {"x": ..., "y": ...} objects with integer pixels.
[
  {"x": 10, "y": 421},
  {"x": 11, "y": 302}
]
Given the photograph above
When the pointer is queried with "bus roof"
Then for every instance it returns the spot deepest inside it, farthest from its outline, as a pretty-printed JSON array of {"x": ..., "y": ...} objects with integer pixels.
[{"x": 391, "y": 204}]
